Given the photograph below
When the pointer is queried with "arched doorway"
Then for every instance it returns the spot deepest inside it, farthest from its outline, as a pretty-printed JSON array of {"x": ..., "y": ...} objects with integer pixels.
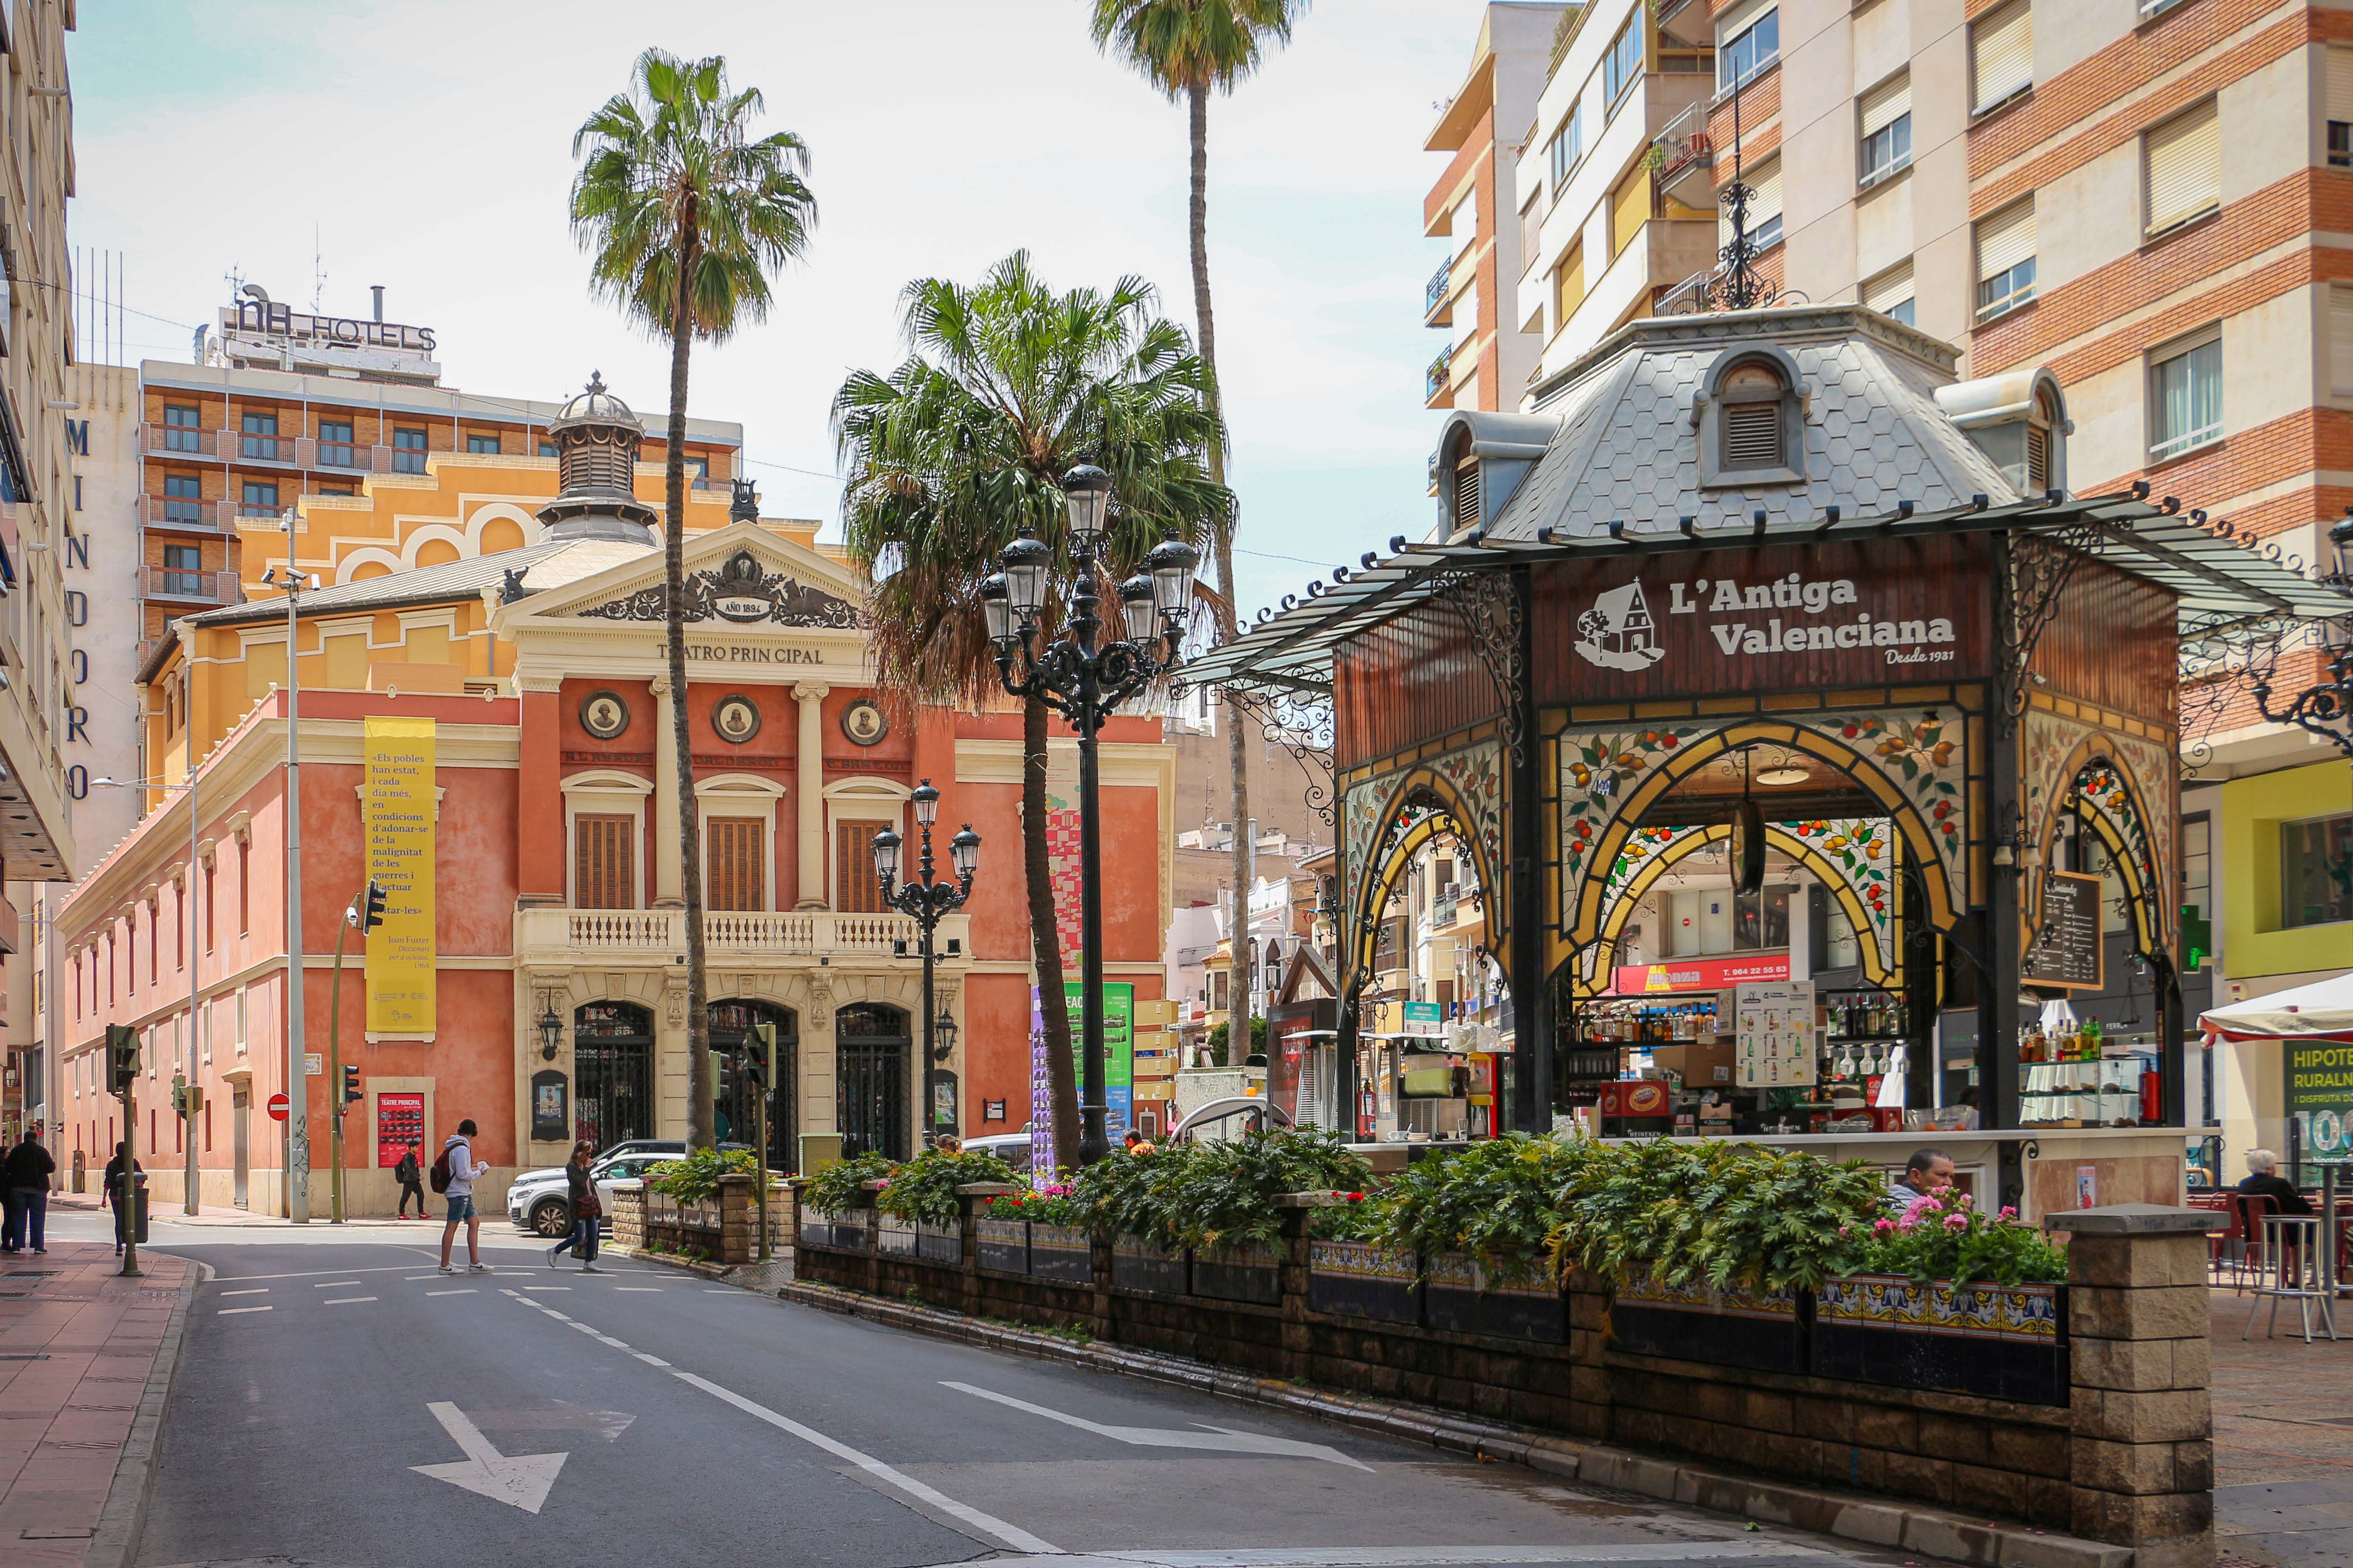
[
  {"x": 613, "y": 1072},
  {"x": 871, "y": 1071},
  {"x": 731, "y": 1023}
]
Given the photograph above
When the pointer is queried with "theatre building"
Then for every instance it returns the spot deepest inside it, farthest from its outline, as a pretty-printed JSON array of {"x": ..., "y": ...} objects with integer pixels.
[{"x": 491, "y": 738}]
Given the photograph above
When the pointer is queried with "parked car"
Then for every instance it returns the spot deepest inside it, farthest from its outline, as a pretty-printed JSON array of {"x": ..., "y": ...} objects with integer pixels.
[
  {"x": 540, "y": 1201},
  {"x": 1013, "y": 1148}
]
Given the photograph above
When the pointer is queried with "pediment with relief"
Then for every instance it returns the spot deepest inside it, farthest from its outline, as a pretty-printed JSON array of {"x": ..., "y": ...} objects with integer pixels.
[
  {"x": 740, "y": 591},
  {"x": 742, "y": 576}
]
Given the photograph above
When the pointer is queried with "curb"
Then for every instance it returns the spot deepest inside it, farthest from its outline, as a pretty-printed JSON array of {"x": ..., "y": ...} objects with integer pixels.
[
  {"x": 1870, "y": 1520},
  {"x": 124, "y": 1518}
]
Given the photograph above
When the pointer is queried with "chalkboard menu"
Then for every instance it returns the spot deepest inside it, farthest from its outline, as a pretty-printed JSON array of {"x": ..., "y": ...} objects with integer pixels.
[{"x": 2067, "y": 950}]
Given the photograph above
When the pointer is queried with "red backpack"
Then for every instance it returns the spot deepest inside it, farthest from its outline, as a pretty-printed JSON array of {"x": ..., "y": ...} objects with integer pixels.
[{"x": 440, "y": 1175}]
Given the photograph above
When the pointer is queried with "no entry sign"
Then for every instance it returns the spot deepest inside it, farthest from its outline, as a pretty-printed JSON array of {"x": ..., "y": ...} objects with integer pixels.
[{"x": 278, "y": 1107}]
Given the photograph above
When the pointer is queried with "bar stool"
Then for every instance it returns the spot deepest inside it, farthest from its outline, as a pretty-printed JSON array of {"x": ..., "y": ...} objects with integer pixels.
[{"x": 2292, "y": 1244}]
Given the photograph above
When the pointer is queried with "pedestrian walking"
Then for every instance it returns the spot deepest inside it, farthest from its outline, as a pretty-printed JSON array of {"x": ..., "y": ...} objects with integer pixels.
[
  {"x": 24, "y": 1174},
  {"x": 587, "y": 1213},
  {"x": 411, "y": 1182},
  {"x": 119, "y": 1198},
  {"x": 453, "y": 1177}
]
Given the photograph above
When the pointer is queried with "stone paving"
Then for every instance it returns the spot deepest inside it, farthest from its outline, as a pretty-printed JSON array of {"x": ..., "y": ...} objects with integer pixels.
[
  {"x": 2282, "y": 1440},
  {"x": 77, "y": 1343}
]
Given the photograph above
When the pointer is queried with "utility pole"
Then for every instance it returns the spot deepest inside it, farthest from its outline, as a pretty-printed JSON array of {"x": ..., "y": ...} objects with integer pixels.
[
  {"x": 371, "y": 902},
  {"x": 193, "y": 1098},
  {"x": 298, "y": 1087}
]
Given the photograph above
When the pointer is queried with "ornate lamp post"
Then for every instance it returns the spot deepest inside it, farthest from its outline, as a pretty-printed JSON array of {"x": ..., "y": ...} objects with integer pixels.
[
  {"x": 1085, "y": 680},
  {"x": 2325, "y": 708},
  {"x": 928, "y": 901}
]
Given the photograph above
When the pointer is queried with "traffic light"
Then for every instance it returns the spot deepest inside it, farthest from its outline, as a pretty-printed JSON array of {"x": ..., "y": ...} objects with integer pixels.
[
  {"x": 371, "y": 906},
  {"x": 122, "y": 1055},
  {"x": 760, "y": 1059},
  {"x": 352, "y": 1084}
]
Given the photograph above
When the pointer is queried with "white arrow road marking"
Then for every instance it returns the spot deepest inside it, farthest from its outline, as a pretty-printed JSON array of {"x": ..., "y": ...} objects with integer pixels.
[
  {"x": 521, "y": 1479},
  {"x": 1216, "y": 1440}
]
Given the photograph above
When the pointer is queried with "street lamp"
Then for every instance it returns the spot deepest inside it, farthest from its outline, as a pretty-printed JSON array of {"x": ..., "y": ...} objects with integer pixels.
[
  {"x": 294, "y": 585},
  {"x": 928, "y": 900},
  {"x": 551, "y": 1028},
  {"x": 2324, "y": 709},
  {"x": 1085, "y": 681}
]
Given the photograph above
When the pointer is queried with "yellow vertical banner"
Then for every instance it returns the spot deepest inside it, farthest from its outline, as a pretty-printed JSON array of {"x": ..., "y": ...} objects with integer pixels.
[{"x": 397, "y": 816}]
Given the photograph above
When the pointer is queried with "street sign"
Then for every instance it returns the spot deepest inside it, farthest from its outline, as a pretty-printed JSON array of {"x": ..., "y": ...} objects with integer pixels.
[
  {"x": 1424, "y": 1018},
  {"x": 314, "y": 1064},
  {"x": 278, "y": 1107}
]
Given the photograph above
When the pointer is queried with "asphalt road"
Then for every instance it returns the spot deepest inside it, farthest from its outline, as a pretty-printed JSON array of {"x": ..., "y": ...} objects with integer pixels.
[{"x": 340, "y": 1402}]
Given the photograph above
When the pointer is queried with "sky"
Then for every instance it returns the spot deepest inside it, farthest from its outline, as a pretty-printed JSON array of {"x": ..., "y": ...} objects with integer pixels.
[{"x": 426, "y": 145}]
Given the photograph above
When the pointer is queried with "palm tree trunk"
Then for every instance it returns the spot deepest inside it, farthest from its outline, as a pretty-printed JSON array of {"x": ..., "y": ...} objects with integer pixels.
[
  {"x": 1045, "y": 937},
  {"x": 1236, "y": 722},
  {"x": 690, "y": 857}
]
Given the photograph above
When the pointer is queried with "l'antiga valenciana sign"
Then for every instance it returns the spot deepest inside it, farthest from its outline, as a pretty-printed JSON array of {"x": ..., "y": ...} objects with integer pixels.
[{"x": 1772, "y": 620}]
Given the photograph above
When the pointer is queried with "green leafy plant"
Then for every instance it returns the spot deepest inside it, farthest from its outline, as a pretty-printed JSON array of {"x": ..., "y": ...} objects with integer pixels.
[
  {"x": 1937, "y": 1240},
  {"x": 1730, "y": 1214},
  {"x": 695, "y": 1179},
  {"x": 1361, "y": 1218},
  {"x": 1052, "y": 1204},
  {"x": 1222, "y": 1193},
  {"x": 841, "y": 1185},
  {"x": 923, "y": 1189},
  {"x": 1496, "y": 1199}
]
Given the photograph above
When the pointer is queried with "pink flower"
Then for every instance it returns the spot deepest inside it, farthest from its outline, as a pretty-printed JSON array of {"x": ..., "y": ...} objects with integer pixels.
[
  {"x": 1966, "y": 1201},
  {"x": 1882, "y": 1226},
  {"x": 1956, "y": 1222},
  {"x": 2009, "y": 1212}
]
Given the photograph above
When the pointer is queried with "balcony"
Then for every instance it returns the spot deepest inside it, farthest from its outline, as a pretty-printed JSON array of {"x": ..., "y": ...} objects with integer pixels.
[
  {"x": 185, "y": 512},
  {"x": 191, "y": 445},
  {"x": 1439, "y": 377},
  {"x": 1435, "y": 309},
  {"x": 659, "y": 935},
  {"x": 1683, "y": 157},
  {"x": 1687, "y": 298},
  {"x": 190, "y": 587},
  {"x": 179, "y": 441}
]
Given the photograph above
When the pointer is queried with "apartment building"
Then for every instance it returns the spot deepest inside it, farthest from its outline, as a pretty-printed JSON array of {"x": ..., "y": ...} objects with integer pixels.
[
  {"x": 1475, "y": 207},
  {"x": 37, "y": 532},
  {"x": 281, "y": 405}
]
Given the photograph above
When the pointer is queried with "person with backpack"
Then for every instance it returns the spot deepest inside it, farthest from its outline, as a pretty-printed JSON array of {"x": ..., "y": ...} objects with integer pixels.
[
  {"x": 453, "y": 1176},
  {"x": 406, "y": 1174},
  {"x": 116, "y": 1185},
  {"x": 587, "y": 1213}
]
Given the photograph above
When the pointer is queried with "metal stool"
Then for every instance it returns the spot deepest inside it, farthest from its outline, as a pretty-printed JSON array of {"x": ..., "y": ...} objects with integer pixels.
[{"x": 2292, "y": 1244}]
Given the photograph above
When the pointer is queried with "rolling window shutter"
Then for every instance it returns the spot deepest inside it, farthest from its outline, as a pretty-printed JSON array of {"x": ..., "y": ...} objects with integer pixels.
[
  {"x": 1572, "y": 285},
  {"x": 857, "y": 892},
  {"x": 2003, "y": 46},
  {"x": 1883, "y": 105},
  {"x": 2005, "y": 240},
  {"x": 1889, "y": 290},
  {"x": 2340, "y": 340},
  {"x": 1765, "y": 179},
  {"x": 2340, "y": 84},
  {"x": 2185, "y": 167},
  {"x": 1631, "y": 209},
  {"x": 1752, "y": 435},
  {"x": 1740, "y": 18}
]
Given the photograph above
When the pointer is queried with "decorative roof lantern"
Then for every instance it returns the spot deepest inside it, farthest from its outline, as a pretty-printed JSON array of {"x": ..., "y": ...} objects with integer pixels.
[{"x": 596, "y": 440}]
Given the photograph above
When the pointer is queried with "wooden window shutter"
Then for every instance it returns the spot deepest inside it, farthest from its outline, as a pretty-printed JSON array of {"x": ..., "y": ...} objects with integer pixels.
[
  {"x": 1752, "y": 436},
  {"x": 603, "y": 874},
  {"x": 857, "y": 891},
  {"x": 2003, "y": 46},
  {"x": 1466, "y": 493},
  {"x": 2037, "y": 458},
  {"x": 2185, "y": 167},
  {"x": 737, "y": 878}
]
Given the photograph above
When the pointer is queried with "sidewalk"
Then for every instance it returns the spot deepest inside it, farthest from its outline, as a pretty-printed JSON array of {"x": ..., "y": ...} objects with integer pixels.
[
  {"x": 170, "y": 1213},
  {"x": 85, "y": 1361},
  {"x": 2282, "y": 1440}
]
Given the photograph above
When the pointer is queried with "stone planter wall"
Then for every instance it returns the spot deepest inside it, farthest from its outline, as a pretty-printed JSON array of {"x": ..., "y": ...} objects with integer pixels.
[
  {"x": 726, "y": 1231},
  {"x": 2127, "y": 1460}
]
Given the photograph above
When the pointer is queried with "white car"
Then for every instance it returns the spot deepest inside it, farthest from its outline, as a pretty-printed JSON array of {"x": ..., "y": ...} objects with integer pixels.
[{"x": 540, "y": 1201}]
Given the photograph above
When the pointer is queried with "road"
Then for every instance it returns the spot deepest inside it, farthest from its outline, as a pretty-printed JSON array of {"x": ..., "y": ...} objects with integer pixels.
[{"x": 340, "y": 1402}]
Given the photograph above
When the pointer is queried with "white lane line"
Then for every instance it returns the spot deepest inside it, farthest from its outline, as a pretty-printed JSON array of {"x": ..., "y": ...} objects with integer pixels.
[
  {"x": 1217, "y": 1439},
  {"x": 262, "y": 1291},
  {"x": 232, "y": 1311},
  {"x": 987, "y": 1524},
  {"x": 616, "y": 1344},
  {"x": 344, "y": 1300},
  {"x": 1701, "y": 1551},
  {"x": 331, "y": 1284},
  {"x": 547, "y": 1286},
  {"x": 467, "y": 1291},
  {"x": 639, "y": 1290},
  {"x": 314, "y": 1273}
]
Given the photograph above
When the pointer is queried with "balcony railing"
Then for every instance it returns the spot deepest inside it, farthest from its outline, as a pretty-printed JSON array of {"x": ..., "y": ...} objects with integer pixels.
[
  {"x": 1687, "y": 297},
  {"x": 189, "y": 444},
  {"x": 797, "y": 933},
  {"x": 1438, "y": 376},
  {"x": 178, "y": 441},
  {"x": 252, "y": 447},
  {"x": 1435, "y": 295},
  {"x": 1684, "y": 154},
  {"x": 185, "y": 511},
  {"x": 201, "y": 587}
]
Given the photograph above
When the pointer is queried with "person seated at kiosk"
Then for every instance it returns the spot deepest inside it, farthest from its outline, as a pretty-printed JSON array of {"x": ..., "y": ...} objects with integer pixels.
[
  {"x": 1927, "y": 1174},
  {"x": 2263, "y": 1180}
]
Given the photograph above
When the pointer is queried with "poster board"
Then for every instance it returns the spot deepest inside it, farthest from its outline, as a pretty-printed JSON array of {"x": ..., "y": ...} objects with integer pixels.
[
  {"x": 2320, "y": 1095},
  {"x": 2067, "y": 952},
  {"x": 1774, "y": 1038},
  {"x": 399, "y": 1121}
]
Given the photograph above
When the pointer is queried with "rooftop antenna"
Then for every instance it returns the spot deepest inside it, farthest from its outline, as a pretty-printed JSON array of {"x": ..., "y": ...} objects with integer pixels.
[
  {"x": 234, "y": 279},
  {"x": 318, "y": 271}
]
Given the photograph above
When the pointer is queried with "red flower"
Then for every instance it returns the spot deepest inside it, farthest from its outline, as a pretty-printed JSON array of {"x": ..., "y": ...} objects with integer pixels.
[{"x": 1355, "y": 1197}]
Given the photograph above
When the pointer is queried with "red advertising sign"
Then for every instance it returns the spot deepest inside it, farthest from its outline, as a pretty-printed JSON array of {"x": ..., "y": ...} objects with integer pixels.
[
  {"x": 1697, "y": 975},
  {"x": 399, "y": 1121}
]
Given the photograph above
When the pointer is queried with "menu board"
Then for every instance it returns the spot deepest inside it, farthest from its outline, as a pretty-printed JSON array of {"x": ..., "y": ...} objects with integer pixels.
[
  {"x": 2067, "y": 950},
  {"x": 1774, "y": 1039}
]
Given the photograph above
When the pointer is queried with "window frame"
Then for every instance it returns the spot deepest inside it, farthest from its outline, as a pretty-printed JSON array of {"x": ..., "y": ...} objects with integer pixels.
[
  {"x": 2022, "y": 291},
  {"x": 474, "y": 447},
  {"x": 1611, "y": 61},
  {"x": 2165, "y": 449},
  {"x": 1758, "y": 64},
  {"x": 1716, "y": 472},
  {"x": 1572, "y": 132},
  {"x": 2287, "y": 826}
]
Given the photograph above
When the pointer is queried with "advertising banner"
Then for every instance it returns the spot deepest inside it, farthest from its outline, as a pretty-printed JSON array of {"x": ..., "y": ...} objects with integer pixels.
[
  {"x": 1119, "y": 1049},
  {"x": 1697, "y": 975},
  {"x": 397, "y": 819},
  {"x": 1424, "y": 1019},
  {"x": 2320, "y": 1095}
]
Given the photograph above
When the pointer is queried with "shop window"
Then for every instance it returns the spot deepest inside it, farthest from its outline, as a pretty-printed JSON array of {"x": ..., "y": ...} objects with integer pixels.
[
  {"x": 2316, "y": 871},
  {"x": 1745, "y": 45},
  {"x": 1752, "y": 428},
  {"x": 2185, "y": 396}
]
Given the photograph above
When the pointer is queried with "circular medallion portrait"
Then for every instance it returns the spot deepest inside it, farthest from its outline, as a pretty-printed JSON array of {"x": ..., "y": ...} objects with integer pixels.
[
  {"x": 604, "y": 715},
  {"x": 863, "y": 723},
  {"x": 736, "y": 718}
]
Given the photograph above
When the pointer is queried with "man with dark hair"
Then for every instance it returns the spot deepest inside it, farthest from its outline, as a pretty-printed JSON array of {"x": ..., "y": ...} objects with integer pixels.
[
  {"x": 1927, "y": 1174},
  {"x": 459, "y": 1155},
  {"x": 411, "y": 1182}
]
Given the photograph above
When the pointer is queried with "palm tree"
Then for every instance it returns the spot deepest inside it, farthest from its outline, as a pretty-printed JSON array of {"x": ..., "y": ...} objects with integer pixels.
[
  {"x": 1008, "y": 387},
  {"x": 684, "y": 212},
  {"x": 1185, "y": 48}
]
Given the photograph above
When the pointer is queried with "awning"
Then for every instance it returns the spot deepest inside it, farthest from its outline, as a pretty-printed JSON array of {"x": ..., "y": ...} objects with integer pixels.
[
  {"x": 2321, "y": 1011},
  {"x": 2224, "y": 579}
]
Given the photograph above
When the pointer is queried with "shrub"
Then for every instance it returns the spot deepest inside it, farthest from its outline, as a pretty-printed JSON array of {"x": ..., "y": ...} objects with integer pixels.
[
  {"x": 1361, "y": 1218},
  {"x": 1496, "y": 1199},
  {"x": 923, "y": 1189},
  {"x": 1936, "y": 1239},
  {"x": 1212, "y": 1195},
  {"x": 1051, "y": 1205},
  {"x": 695, "y": 1179},
  {"x": 842, "y": 1184}
]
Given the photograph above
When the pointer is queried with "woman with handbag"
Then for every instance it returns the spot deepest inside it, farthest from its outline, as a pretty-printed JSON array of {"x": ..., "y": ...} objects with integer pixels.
[{"x": 587, "y": 1214}]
